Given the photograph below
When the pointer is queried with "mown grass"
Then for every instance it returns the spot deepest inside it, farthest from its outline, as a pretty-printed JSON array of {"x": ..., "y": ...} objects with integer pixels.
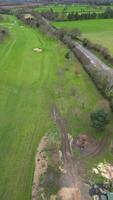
[
  {"x": 30, "y": 85},
  {"x": 26, "y": 94},
  {"x": 98, "y": 31}
]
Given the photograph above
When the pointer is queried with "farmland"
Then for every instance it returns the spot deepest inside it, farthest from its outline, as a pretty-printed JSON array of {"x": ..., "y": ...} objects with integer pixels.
[
  {"x": 71, "y": 8},
  {"x": 30, "y": 84},
  {"x": 98, "y": 31}
]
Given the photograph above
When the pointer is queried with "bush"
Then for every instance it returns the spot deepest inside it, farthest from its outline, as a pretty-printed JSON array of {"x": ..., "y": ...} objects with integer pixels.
[
  {"x": 75, "y": 33},
  {"x": 99, "y": 119},
  {"x": 3, "y": 33},
  {"x": 87, "y": 43},
  {"x": 61, "y": 33},
  {"x": 50, "y": 182},
  {"x": 67, "y": 55}
]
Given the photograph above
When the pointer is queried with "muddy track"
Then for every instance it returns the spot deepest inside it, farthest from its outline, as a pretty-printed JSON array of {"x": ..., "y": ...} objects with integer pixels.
[
  {"x": 73, "y": 167},
  {"x": 101, "y": 146},
  {"x": 97, "y": 148},
  {"x": 71, "y": 178},
  {"x": 64, "y": 134}
]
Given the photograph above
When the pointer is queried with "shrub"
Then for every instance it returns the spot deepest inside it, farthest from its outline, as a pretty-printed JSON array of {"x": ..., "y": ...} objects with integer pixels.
[
  {"x": 61, "y": 33},
  {"x": 67, "y": 55},
  {"x": 99, "y": 119},
  {"x": 74, "y": 33},
  {"x": 87, "y": 43},
  {"x": 50, "y": 182},
  {"x": 3, "y": 33}
]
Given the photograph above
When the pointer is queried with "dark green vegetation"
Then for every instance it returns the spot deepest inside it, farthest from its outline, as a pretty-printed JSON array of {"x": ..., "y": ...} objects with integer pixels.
[
  {"x": 3, "y": 31},
  {"x": 30, "y": 84},
  {"x": 99, "y": 119},
  {"x": 50, "y": 181}
]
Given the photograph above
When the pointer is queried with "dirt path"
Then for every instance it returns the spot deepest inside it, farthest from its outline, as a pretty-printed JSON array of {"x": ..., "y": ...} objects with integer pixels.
[
  {"x": 92, "y": 147},
  {"x": 64, "y": 135},
  {"x": 71, "y": 180},
  {"x": 100, "y": 146},
  {"x": 40, "y": 166}
]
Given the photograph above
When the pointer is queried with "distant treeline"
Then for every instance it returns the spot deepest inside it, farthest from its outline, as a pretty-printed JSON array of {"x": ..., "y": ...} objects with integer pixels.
[
  {"x": 64, "y": 16},
  {"x": 53, "y": 16}
]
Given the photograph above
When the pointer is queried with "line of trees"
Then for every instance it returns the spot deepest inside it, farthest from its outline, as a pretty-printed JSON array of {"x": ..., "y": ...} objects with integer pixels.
[
  {"x": 102, "y": 76},
  {"x": 54, "y": 16},
  {"x": 104, "y": 52}
]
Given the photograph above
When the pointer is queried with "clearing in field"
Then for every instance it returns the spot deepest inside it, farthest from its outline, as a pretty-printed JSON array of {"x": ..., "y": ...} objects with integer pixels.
[{"x": 30, "y": 84}]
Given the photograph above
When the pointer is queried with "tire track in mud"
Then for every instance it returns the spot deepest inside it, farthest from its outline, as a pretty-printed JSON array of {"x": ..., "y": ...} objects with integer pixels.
[
  {"x": 71, "y": 168},
  {"x": 73, "y": 176},
  {"x": 66, "y": 151},
  {"x": 100, "y": 147}
]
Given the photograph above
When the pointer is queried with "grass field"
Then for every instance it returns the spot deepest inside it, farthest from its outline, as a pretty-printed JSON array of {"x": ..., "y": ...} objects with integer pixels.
[
  {"x": 26, "y": 94},
  {"x": 98, "y": 31},
  {"x": 30, "y": 84},
  {"x": 80, "y": 8}
]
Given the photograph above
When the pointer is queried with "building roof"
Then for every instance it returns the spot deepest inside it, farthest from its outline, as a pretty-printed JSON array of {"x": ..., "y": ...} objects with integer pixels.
[
  {"x": 110, "y": 195},
  {"x": 103, "y": 197}
]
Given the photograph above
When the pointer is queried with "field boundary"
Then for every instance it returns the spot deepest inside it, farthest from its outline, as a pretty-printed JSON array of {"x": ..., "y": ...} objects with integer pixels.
[{"x": 100, "y": 73}]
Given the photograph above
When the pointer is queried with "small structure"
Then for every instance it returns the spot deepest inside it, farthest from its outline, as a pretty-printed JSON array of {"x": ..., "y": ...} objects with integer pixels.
[
  {"x": 110, "y": 195},
  {"x": 101, "y": 192}
]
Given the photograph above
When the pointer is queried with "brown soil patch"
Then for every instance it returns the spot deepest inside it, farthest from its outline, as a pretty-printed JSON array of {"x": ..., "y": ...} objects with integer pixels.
[
  {"x": 70, "y": 181},
  {"x": 69, "y": 194},
  {"x": 77, "y": 72},
  {"x": 103, "y": 104},
  {"x": 88, "y": 146},
  {"x": 41, "y": 164},
  {"x": 55, "y": 157}
]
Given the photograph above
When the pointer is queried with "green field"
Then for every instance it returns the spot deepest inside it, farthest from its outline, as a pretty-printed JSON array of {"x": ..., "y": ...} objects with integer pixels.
[
  {"x": 30, "y": 84},
  {"x": 80, "y": 8},
  {"x": 98, "y": 31}
]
